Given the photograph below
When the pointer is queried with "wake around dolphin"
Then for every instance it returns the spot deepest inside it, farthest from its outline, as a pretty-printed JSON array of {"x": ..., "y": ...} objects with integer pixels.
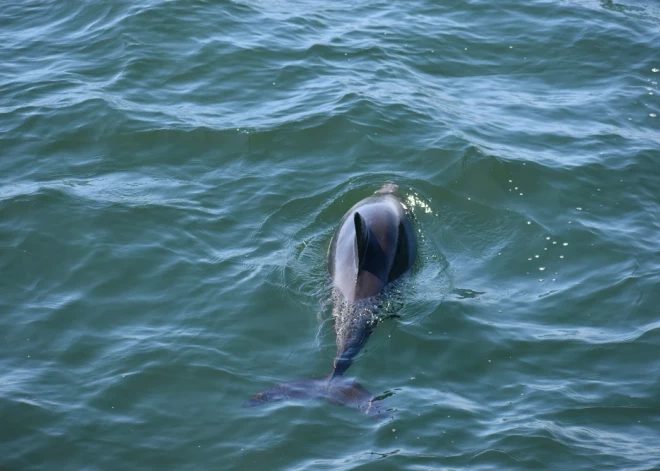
[{"x": 373, "y": 246}]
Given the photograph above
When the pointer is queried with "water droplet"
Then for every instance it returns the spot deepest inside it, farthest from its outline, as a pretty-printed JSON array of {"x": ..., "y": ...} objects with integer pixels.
[
  {"x": 655, "y": 69},
  {"x": 578, "y": 208},
  {"x": 561, "y": 256},
  {"x": 536, "y": 256},
  {"x": 529, "y": 222},
  {"x": 547, "y": 238},
  {"x": 652, "y": 115},
  {"x": 554, "y": 242},
  {"x": 565, "y": 244},
  {"x": 521, "y": 194}
]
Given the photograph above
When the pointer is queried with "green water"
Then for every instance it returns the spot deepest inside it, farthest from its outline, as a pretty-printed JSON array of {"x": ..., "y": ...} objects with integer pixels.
[{"x": 171, "y": 174}]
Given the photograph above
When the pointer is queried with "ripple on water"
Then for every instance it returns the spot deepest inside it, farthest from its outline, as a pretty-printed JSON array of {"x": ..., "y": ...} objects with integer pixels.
[{"x": 173, "y": 172}]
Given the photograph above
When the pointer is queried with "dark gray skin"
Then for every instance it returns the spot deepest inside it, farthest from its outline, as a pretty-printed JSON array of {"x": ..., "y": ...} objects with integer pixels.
[{"x": 374, "y": 245}]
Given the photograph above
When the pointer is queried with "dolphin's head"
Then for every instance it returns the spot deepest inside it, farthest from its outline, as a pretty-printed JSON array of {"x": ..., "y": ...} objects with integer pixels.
[{"x": 388, "y": 189}]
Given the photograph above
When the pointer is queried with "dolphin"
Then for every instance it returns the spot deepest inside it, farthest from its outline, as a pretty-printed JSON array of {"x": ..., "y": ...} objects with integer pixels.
[{"x": 373, "y": 245}]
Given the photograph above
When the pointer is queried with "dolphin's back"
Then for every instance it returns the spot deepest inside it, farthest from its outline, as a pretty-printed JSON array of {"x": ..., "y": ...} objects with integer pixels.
[
  {"x": 388, "y": 247},
  {"x": 373, "y": 245}
]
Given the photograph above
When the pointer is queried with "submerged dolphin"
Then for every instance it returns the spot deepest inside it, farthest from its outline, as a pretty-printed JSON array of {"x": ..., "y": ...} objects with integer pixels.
[{"x": 373, "y": 245}]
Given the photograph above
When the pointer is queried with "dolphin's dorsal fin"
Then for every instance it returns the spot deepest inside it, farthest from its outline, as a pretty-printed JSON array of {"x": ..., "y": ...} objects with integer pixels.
[{"x": 361, "y": 237}]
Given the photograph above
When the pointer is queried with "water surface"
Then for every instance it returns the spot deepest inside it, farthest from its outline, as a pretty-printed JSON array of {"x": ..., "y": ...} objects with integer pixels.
[{"x": 172, "y": 173}]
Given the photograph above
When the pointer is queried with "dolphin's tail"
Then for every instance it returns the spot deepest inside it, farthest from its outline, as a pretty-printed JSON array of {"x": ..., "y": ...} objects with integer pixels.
[{"x": 336, "y": 390}]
